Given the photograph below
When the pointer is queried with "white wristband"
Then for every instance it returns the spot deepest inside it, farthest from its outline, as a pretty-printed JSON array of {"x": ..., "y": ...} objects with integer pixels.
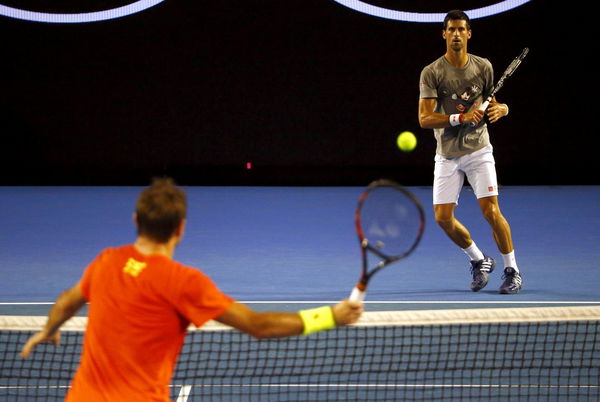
[{"x": 455, "y": 119}]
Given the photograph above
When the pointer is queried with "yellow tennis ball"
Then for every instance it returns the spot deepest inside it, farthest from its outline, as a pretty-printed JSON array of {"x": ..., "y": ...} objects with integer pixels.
[{"x": 406, "y": 141}]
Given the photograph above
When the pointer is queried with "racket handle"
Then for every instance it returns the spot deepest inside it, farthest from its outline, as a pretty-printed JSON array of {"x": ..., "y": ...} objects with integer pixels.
[
  {"x": 357, "y": 294},
  {"x": 483, "y": 106}
]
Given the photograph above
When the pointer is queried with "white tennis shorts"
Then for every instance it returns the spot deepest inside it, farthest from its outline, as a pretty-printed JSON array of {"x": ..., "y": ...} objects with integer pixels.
[{"x": 449, "y": 175}]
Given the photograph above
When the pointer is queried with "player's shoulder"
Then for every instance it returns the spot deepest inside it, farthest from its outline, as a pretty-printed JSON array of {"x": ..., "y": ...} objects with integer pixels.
[
  {"x": 480, "y": 61},
  {"x": 436, "y": 64},
  {"x": 185, "y": 270},
  {"x": 109, "y": 252},
  {"x": 434, "y": 70}
]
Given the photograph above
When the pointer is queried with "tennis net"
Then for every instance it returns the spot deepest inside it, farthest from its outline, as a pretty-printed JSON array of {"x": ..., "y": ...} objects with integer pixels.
[{"x": 541, "y": 354}]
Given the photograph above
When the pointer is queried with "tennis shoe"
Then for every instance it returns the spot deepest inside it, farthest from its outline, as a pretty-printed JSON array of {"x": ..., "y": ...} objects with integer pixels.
[
  {"x": 512, "y": 281},
  {"x": 481, "y": 271}
]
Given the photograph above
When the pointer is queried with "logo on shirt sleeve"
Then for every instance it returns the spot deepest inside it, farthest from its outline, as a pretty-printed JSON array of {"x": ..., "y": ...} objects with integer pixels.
[{"x": 133, "y": 267}]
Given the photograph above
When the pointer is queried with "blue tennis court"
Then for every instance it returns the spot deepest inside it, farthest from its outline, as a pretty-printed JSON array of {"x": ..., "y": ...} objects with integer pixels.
[
  {"x": 290, "y": 244},
  {"x": 291, "y": 247}
]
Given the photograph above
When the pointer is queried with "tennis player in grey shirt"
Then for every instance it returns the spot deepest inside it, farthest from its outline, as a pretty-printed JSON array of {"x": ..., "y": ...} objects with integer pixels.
[{"x": 451, "y": 89}]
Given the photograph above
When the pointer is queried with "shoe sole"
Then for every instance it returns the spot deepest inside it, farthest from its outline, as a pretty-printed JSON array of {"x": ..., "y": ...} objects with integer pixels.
[
  {"x": 509, "y": 292},
  {"x": 477, "y": 289}
]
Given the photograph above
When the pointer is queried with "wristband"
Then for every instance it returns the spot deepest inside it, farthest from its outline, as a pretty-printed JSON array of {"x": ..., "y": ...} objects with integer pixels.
[
  {"x": 317, "y": 319},
  {"x": 455, "y": 119}
]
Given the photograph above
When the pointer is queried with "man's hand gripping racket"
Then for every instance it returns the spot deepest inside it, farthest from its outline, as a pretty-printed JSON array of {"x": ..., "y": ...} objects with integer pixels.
[
  {"x": 507, "y": 73},
  {"x": 389, "y": 222}
]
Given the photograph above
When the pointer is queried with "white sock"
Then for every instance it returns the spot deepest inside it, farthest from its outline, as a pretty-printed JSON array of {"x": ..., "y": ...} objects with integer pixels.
[
  {"x": 510, "y": 260},
  {"x": 473, "y": 252}
]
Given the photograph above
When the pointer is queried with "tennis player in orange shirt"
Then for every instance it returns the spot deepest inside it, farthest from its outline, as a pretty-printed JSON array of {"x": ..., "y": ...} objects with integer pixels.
[{"x": 142, "y": 301}]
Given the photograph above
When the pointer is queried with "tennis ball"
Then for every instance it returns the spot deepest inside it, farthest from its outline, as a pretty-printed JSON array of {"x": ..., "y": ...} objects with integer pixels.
[{"x": 406, "y": 141}]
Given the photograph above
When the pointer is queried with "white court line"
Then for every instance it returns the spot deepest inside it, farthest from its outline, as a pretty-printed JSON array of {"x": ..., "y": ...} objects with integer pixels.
[
  {"x": 550, "y": 386},
  {"x": 184, "y": 393},
  {"x": 186, "y": 389}
]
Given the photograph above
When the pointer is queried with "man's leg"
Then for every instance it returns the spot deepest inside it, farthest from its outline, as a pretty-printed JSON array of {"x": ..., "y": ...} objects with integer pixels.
[
  {"x": 481, "y": 266},
  {"x": 444, "y": 216},
  {"x": 502, "y": 235},
  {"x": 500, "y": 228}
]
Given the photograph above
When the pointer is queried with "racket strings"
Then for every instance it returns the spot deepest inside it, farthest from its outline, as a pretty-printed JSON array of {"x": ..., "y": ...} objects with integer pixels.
[{"x": 390, "y": 221}]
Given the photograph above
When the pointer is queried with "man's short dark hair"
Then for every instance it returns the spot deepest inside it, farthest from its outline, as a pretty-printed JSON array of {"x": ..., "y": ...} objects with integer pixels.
[
  {"x": 457, "y": 15},
  {"x": 160, "y": 209}
]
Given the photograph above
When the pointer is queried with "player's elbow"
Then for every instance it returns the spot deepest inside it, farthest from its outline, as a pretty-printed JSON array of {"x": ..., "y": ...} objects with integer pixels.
[
  {"x": 70, "y": 301},
  {"x": 425, "y": 121},
  {"x": 426, "y": 113}
]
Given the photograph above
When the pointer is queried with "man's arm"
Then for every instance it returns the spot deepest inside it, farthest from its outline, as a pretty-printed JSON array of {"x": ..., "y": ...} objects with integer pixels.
[
  {"x": 279, "y": 324},
  {"x": 65, "y": 307},
  {"x": 428, "y": 118}
]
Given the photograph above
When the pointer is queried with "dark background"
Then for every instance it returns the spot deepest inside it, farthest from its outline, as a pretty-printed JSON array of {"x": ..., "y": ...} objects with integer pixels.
[{"x": 309, "y": 91}]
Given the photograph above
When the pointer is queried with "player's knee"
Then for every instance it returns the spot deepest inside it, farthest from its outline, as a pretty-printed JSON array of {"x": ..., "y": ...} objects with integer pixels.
[
  {"x": 443, "y": 218},
  {"x": 492, "y": 213}
]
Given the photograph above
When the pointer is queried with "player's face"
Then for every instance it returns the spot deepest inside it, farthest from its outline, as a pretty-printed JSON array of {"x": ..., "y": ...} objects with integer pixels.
[{"x": 456, "y": 34}]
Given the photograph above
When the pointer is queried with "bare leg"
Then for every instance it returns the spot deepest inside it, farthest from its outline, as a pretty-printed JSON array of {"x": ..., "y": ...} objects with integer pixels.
[
  {"x": 501, "y": 230},
  {"x": 444, "y": 216},
  {"x": 500, "y": 227},
  {"x": 481, "y": 266}
]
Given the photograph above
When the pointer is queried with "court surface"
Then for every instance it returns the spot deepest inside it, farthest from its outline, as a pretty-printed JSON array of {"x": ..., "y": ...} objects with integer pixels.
[
  {"x": 292, "y": 246},
  {"x": 288, "y": 248}
]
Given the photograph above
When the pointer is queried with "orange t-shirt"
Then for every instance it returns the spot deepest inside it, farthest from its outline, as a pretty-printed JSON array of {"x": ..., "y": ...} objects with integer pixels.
[{"x": 140, "y": 307}]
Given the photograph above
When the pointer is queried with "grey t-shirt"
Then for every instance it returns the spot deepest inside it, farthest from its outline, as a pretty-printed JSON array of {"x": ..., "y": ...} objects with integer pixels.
[{"x": 458, "y": 90}]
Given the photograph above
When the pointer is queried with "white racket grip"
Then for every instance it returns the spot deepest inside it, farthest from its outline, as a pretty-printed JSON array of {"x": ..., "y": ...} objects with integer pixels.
[
  {"x": 483, "y": 106},
  {"x": 357, "y": 294}
]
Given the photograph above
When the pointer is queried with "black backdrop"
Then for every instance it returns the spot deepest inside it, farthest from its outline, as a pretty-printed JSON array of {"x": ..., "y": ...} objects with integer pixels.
[{"x": 309, "y": 91}]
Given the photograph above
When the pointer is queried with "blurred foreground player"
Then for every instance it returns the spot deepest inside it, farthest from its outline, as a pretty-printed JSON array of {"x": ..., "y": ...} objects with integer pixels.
[
  {"x": 451, "y": 89},
  {"x": 142, "y": 301}
]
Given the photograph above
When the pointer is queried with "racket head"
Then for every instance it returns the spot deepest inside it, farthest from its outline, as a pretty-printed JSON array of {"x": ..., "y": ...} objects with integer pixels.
[{"x": 390, "y": 222}]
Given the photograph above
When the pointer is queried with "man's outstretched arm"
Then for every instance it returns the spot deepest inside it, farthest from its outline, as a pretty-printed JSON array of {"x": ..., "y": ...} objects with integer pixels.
[{"x": 65, "y": 307}]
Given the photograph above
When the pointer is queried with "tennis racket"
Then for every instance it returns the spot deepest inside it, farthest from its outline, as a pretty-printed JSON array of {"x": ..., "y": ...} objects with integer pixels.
[
  {"x": 389, "y": 222},
  {"x": 507, "y": 73}
]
